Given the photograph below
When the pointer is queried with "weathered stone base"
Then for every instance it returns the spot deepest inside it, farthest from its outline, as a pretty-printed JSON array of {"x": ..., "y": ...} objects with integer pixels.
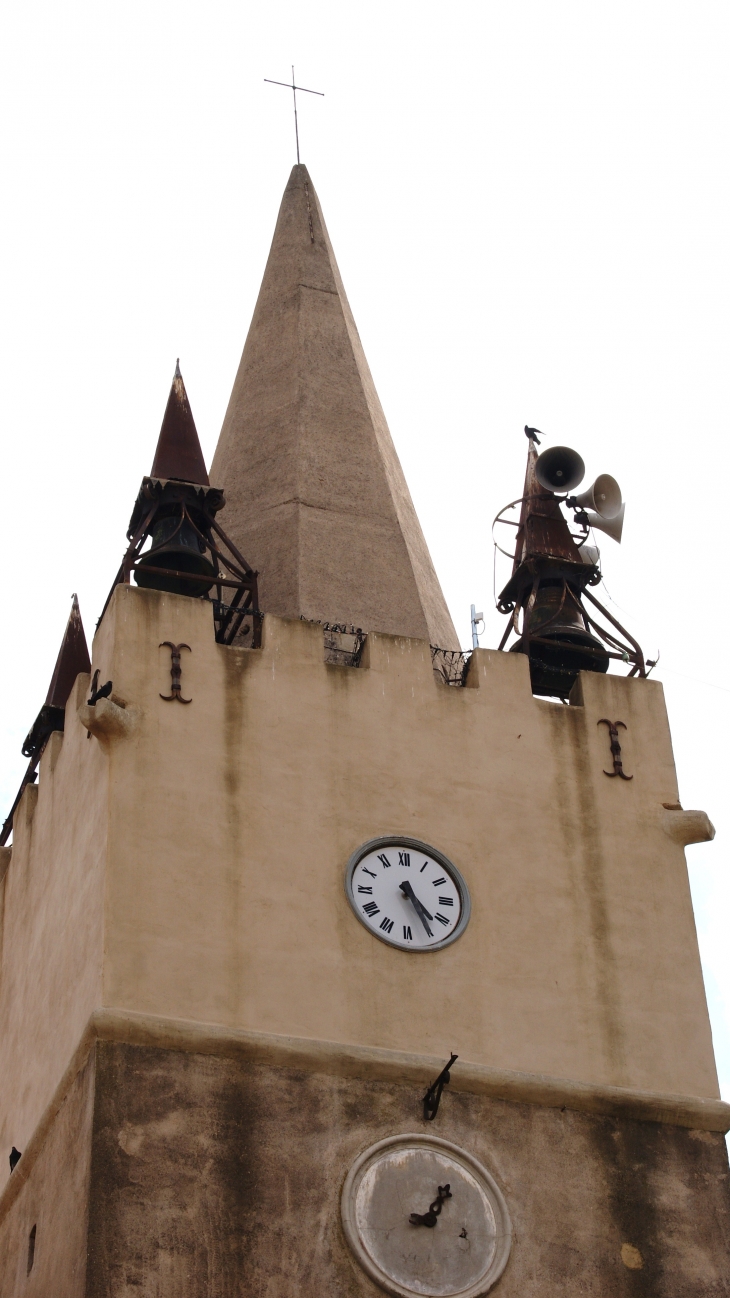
[{"x": 170, "y": 1174}]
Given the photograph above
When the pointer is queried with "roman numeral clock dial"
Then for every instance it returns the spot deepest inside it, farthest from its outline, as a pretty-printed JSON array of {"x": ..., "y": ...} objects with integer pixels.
[{"x": 407, "y": 893}]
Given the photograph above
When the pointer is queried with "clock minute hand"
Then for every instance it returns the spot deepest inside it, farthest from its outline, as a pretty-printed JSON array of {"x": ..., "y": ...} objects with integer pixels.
[{"x": 421, "y": 911}]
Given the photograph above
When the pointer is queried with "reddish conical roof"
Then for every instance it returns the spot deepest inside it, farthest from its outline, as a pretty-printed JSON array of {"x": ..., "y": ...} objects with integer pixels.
[
  {"x": 73, "y": 657},
  {"x": 178, "y": 453},
  {"x": 543, "y": 529}
]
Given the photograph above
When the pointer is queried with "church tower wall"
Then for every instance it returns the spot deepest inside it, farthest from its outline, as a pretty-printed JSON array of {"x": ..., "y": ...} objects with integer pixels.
[
  {"x": 221, "y": 830},
  {"x": 232, "y": 819},
  {"x": 237, "y": 1016},
  {"x": 52, "y": 940}
]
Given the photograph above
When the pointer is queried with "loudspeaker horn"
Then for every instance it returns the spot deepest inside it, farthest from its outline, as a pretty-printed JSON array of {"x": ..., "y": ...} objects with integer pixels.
[
  {"x": 559, "y": 469},
  {"x": 613, "y": 527},
  {"x": 604, "y": 496}
]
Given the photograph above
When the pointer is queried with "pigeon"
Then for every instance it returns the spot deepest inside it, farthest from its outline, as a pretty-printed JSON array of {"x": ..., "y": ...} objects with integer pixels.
[
  {"x": 532, "y": 434},
  {"x": 102, "y": 693},
  {"x": 14, "y": 1158}
]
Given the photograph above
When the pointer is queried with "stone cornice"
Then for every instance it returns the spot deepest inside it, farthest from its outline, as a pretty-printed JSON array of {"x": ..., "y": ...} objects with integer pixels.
[{"x": 367, "y": 1063}]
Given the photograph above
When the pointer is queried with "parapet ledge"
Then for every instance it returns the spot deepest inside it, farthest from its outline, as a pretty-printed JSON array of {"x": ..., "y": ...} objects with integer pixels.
[
  {"x": 51, "y": 754},
  {"x": 303, "y": 641},
  {"x": 395, "y": 653},
  {"x": 601, "y": 689},
  {"x": 685, "y": 827},
  {"x": 27, "y": 804},
  {"x": 23, "y": 817},
  {"x": 297, "y": 637},
  {"x": 493, "y": 668}
]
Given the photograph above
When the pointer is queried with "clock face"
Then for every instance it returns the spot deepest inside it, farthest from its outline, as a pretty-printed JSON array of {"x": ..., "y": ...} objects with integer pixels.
[
  {"x": 461, "y": 1253},
  {"x": 407, "y": 894}
]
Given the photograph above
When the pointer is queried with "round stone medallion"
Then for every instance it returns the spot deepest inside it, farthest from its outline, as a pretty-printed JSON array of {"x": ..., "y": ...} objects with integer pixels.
[{"x": 460, "y": 1256}]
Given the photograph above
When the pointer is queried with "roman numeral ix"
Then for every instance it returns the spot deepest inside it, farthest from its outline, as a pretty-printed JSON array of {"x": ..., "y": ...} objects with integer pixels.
[{"x": 362, "y": 888}]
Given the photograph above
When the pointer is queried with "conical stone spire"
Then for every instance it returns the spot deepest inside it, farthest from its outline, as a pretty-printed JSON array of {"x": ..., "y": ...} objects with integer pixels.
[
  {"x": 178, "y": 453},
  {"x": 316, "y": 497}
]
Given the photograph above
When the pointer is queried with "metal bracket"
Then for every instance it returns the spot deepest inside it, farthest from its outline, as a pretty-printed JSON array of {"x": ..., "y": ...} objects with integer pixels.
[
  {"x": 175, "y": 672},
  {"x": 618, "y": 768},
  {"x": 432, "y": 1098}
]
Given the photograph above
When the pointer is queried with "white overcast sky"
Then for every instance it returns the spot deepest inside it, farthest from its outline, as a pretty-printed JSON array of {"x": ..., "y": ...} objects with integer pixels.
[{"x": 529, "y": 205}]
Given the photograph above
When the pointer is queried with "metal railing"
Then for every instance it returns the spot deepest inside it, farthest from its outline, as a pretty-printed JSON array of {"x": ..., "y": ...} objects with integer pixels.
[{"x": 450, "y": 665}]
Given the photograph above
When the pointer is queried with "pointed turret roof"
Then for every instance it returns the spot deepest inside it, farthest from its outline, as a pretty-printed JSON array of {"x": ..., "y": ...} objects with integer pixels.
[
  {"x": 178, "y": 453},
  {"x": 316, "y": 497},
  {"x": 543, "y": 530},
  {"x": 73, "y": 657}
]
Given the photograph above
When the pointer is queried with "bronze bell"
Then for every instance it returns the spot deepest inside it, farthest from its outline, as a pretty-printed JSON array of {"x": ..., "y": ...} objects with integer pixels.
[
  {"x": 176, "y": 548},
  {"x": 554, "y": 667}
]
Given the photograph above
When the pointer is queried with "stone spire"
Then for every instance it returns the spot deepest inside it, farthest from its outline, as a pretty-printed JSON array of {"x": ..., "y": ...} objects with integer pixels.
[
  {"x": 178, "y": 453},
  {"x": 316, "y": 497}
]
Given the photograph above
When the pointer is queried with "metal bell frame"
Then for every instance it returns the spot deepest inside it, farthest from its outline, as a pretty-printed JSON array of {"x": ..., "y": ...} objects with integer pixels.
[
  {"x": 231, "y": 573},
  {"x": 628, "y": 650}
]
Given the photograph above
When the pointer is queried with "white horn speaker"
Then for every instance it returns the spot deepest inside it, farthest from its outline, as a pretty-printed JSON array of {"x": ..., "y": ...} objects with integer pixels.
[
  {"x": 613, "y": 527},
  {"x": 559, "y": 469},
  {"x": 604, "y": 496}
]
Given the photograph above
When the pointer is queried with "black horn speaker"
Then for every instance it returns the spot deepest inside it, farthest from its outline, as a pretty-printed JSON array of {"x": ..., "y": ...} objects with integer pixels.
[{"x": 559, "y": 469}]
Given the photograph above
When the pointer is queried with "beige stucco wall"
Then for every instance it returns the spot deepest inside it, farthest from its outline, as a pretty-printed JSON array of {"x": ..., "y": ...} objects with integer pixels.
[
  {"x": 51, "y": 948},
  {"x": 231, "y": 819}
]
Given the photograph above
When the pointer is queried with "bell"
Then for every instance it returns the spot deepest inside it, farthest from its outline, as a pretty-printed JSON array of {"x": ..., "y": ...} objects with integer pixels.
[
  {"x": 176, "y": 548},
  {"x": 554, "y": 667}
]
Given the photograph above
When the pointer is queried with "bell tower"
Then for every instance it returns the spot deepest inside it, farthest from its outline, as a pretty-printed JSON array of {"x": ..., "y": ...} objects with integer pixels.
[{"x": 333, "y": 960}]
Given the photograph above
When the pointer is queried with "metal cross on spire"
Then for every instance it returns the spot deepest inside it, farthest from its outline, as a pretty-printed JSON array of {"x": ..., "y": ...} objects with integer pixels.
[{"x": 291, "y": 86}]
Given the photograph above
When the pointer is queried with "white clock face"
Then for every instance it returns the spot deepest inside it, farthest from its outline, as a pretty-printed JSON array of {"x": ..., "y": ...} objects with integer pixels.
[{"x": 407, "y": 894}]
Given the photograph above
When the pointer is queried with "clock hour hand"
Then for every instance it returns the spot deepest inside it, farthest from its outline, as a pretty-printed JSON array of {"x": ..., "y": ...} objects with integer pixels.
[{"x": 421, "y": 911}]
